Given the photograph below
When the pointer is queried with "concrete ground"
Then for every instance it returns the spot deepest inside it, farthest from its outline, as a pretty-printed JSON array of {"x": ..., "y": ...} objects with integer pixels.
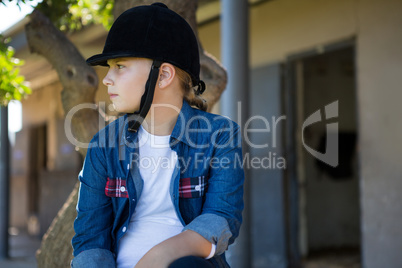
[
  {"x": 22, "y": 248},
  {"x": 346, "y": 258}
]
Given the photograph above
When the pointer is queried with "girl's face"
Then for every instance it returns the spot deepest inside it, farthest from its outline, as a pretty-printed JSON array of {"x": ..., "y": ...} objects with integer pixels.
[{"x": 126, "y": 81}]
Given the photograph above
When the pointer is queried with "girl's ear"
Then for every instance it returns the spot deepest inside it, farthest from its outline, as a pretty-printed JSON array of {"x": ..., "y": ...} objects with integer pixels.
[{"x": 166, "y": 74}]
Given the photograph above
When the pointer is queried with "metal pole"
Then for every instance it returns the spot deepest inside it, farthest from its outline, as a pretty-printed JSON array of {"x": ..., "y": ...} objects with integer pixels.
[
  {"x": 234, "y": 103},
  {"x": 4, "y": 183}
]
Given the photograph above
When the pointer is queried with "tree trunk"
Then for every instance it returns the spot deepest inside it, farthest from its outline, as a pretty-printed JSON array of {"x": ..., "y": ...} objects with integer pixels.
[
  {"x": 79, "y": 80},
  {"x": 79, "y": 83},
  {"x": 79, "y": 86}
]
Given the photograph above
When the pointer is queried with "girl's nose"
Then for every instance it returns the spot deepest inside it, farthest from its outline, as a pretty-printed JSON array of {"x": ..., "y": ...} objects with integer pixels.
[{"x": 107, "y": 81}]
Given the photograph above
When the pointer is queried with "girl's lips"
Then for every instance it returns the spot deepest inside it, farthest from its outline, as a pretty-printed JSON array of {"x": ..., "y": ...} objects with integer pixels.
[{"x": 112, "y": 95}]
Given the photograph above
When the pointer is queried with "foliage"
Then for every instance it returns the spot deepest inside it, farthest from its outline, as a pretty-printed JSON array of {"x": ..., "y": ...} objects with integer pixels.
[
  {"x": 18, "y": 1},
  {"x": 70, "y": 15},
  {"x": 67, "y": 15},
  {"x": 12, "y": 84},
  {"x": 86, "y": 12}
]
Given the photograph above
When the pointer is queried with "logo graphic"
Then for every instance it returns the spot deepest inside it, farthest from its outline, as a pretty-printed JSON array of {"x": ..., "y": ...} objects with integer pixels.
[{"x": 332, "y": 149}]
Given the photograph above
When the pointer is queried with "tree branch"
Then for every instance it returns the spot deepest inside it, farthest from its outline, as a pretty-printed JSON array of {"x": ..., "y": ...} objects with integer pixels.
[{"x": 79, "y": 80}]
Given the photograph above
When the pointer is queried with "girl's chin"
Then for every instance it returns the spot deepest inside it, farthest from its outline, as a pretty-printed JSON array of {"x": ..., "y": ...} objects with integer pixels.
[{"x": 122, "y": 110}]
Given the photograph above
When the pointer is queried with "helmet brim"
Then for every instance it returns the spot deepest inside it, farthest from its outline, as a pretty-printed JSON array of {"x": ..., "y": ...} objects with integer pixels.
[{"x": 101, "y": 59}]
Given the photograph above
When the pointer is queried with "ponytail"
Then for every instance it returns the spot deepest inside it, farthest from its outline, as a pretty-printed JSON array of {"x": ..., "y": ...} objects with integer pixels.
[{"x": 189, "y": 91}]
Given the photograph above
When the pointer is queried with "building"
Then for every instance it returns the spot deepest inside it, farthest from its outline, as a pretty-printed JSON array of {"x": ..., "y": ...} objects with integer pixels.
[{"x": 339, "y": 57}]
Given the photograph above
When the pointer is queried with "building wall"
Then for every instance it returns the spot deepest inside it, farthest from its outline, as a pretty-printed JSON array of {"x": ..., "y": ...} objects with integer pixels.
[
  {"x": 379, "y": 95},
  {"x": 56, "y": 176},
  {"x": 18, "y": 181},
  {"x": 285, "y": 27},
  {"x": 43, "y": 106}
]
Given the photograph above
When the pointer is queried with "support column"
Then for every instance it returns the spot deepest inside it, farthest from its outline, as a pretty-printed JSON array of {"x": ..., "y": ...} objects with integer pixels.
[
  {"x": 234, "y": 103},
  {"x": 4, "y": 183}
]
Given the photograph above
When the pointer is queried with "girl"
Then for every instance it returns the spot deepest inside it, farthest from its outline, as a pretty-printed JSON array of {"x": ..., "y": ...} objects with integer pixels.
[{"x": 162, "y": 186}]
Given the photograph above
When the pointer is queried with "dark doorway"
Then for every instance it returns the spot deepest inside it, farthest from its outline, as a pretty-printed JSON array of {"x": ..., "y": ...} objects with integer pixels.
[
  {"x": 325, "y": 215},
  {"x": 37, "y": 160}
]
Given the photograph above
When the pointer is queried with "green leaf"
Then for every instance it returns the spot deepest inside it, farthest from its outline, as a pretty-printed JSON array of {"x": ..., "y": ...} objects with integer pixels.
[{"x": 12, "y": 85}]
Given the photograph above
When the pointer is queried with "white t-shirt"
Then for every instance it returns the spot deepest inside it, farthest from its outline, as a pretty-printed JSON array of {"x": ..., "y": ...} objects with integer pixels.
[{"x": 154, "y": 219}]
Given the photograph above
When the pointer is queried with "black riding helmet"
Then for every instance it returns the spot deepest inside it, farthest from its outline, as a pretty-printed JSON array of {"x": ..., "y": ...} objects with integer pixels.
[{"x": 154, "y": 32}]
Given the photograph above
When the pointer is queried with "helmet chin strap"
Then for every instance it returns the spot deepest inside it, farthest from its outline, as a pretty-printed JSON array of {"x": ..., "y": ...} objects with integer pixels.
[{"x": 136, "y": 118}]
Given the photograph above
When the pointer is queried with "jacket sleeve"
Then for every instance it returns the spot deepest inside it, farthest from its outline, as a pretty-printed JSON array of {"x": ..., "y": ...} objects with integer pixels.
[
  {"x": 94, "y": 258},
  {"x": 221, "y": 217},
  {"x": 93, "y": 223}
]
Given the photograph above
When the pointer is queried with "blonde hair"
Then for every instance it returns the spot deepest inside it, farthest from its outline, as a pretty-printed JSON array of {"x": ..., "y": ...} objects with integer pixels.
[{"x": 188, "y": 90}]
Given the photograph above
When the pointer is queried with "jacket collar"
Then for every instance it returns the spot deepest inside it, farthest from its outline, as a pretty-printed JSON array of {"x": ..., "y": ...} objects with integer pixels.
[{"x": 179, "y": 131}]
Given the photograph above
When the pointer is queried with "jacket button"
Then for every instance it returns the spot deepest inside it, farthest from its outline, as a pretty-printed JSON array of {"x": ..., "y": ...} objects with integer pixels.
[{"x": 124, "y": 229}]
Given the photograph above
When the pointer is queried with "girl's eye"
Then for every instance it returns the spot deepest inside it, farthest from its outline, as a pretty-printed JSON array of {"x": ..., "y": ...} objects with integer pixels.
[{"x": 120, "y": 66}]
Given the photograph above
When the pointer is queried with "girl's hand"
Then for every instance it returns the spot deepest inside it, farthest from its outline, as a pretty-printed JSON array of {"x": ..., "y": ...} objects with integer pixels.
[{"x": 187, "y": 243}]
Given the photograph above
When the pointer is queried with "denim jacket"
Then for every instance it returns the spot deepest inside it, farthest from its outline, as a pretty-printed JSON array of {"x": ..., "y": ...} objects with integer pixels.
[{"x": 206, "y": 187}]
